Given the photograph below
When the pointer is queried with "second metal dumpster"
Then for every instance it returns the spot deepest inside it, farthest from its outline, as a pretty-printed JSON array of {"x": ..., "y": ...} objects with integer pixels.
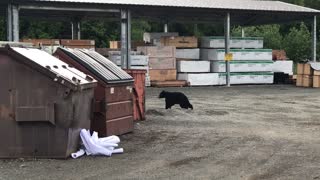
[
  {"x": 44, "y": 104},
  {"x": 113, "y": 112}
]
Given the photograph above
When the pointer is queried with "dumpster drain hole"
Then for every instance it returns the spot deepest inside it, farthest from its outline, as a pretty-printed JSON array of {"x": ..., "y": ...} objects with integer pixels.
[
  {"x": 55, "y": 66},
  {"x": 48, "y": 67},
  {"x": 64, "y": 66}
]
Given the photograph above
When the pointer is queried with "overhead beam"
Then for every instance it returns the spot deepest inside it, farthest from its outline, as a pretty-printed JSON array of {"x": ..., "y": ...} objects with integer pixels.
[{"x": 56, "y": 8}]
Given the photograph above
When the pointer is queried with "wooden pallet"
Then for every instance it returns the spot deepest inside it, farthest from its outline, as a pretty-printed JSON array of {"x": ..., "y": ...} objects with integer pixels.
[{"x": 169, "y": 83}]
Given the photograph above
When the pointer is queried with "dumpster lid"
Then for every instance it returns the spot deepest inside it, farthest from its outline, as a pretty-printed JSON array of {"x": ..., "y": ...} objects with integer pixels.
[
  {"x": 107, "y": 64},
  {"x": 55, "y": 68},
  {"x": 101, "y": 67}
]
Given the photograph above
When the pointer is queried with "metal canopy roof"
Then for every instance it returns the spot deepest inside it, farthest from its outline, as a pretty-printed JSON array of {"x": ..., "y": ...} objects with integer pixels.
[
  {"x": 243, "y": 12},
  {"x": 206, "y": 4}
]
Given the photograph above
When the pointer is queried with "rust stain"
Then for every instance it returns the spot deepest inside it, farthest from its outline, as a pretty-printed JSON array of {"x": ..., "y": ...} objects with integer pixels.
[{"x": 5, "y": 112}]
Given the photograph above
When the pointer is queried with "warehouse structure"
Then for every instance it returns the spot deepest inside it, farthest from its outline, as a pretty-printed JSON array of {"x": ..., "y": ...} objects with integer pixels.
[{"x": 227, "y": 12}]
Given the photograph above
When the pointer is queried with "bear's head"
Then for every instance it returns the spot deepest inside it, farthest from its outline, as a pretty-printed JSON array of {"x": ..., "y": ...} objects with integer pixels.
[{"x": 162, "y": 94}]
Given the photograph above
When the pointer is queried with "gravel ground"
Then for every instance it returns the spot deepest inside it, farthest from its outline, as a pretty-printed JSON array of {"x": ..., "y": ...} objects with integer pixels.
[{"x": 242, "y": 132}]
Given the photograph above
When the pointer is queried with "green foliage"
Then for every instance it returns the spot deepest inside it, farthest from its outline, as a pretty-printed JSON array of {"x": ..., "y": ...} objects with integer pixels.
[
  {"x": 40, "y": 29},
  {"x": 138, "y": 28},
  {"x": 297, "y": 43},
  {"x": 270, "y": 33}
]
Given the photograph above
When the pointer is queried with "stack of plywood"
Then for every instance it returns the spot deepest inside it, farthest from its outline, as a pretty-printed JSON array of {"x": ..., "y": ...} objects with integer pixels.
[
  {"x": 162, "y": 62},
  {"x": 134, "y": 44},
  {"x": 154, "y": 38},
  {"x": 189, "y": 66},
  {"x": 51, "y": 45},
  {"x": 81, "y": 44},
  {"x": 138, "y": 61},
  {"x": 47, "y": 45},
  {"x": 308, "y": 75},
  {"x": 248, "y": 66}
]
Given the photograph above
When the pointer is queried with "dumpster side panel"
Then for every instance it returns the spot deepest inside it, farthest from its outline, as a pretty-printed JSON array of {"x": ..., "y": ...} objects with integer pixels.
[
  {"x": 119, "y": 109},
  {"x": 45, "y": 134}
]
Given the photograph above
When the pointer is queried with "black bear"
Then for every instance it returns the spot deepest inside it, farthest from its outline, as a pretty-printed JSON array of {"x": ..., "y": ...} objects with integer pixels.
[{"x": 173, "y": 98}]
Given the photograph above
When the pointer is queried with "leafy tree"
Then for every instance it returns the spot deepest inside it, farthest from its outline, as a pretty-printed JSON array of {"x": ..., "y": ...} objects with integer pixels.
[{"x": 297, "y": 43}]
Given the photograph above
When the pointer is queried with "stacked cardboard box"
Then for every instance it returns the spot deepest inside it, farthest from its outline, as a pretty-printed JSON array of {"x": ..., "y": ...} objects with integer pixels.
[
  {"x": 162, "y": 62},
  {"x": 248, "y": 66},
  {"x": 308, "y": 75}
]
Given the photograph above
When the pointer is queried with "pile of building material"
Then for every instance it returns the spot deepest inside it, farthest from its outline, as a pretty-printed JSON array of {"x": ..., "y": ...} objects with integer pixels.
[
  {"x": 308, "y": 75},
  {"x": 51, "y": 45},
  {"x": 189, "y": 66},
  {"x": 248, "y": 66},
  {"x": 155, "y": 37},
  {"x": 139, "y": 61},
  {"x": 162, "y": 64},
  {"x": 134, "y": 44}
]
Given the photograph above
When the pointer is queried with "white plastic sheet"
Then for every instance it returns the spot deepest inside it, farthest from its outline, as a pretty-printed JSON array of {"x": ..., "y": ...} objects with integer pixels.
[{"x": 95, "y": 146}]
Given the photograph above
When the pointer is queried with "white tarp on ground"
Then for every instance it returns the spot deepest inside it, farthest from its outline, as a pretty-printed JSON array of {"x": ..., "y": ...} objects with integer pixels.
[{"x": 95, "y": 146}]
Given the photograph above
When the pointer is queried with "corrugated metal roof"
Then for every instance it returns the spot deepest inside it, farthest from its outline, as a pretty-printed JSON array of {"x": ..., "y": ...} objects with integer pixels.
[
  {"x": 207, "y": 4},
  {"x": 99, "y": 70},
  {"x": 107, "y": 64},
  {"x": 54, "y": 65}
]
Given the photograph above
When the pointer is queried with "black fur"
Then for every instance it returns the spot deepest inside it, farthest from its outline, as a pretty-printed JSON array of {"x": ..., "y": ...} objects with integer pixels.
[{"x": 173, "y": 98}]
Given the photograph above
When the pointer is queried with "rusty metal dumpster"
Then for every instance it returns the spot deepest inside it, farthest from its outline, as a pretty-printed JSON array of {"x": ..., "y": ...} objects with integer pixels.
[
  {"x": 113, "y": 110},
  {"x": 44, "y": 104},
  {"x": 139, "y": 92}
]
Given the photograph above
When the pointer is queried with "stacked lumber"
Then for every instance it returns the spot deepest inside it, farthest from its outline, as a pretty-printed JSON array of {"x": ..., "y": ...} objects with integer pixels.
[
  {"x": 51, "y": 45},
  {"x": 134, "y": 44},
  {"x": 249, "y": 65},
  {"x": 139, "y": 61}
]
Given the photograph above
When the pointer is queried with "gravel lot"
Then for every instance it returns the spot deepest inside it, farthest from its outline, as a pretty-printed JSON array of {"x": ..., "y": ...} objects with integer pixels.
[{"x": 242, "y": 132}]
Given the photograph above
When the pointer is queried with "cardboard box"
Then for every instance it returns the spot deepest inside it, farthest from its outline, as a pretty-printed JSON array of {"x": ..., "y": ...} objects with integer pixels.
[
  {"x": 200, "y": 79},
  {"x": 188, "y": 54},
  {"x": 163, "y": 74},
  {"x": 158, "y": 51},
  {"x": 316, "y": 81},
  {"x": 299, "y": 81},
  {"x": 242, "y": 66},
  {"x": 162, "y": 63},
  {"x": 180, "y": 42},
  {"x": 307, "y": 81},
  {"x": 307, "y": 70},
  {"x": 300, "y": 68},
  {"x": 193, "y": 66},
  {"x": 238, "y": 54}
]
